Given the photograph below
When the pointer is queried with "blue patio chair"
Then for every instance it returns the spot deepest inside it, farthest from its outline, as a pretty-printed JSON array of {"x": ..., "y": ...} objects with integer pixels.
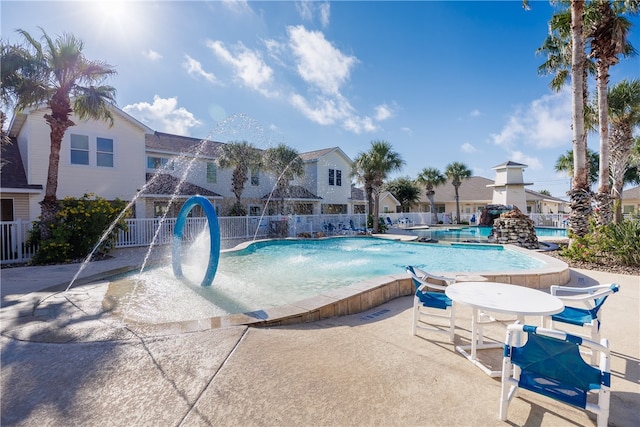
[
  {"x": 550, "y": 364},
  {"x": 354, "y": 228},
  {"x": 590, "y": 315},
  {"x": 428, "y": 303},
  {"x": 389, "y": 222}
]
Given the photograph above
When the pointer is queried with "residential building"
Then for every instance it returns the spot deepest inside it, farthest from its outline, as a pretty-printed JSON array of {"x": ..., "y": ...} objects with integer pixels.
[{"x": 631, "y": 201}]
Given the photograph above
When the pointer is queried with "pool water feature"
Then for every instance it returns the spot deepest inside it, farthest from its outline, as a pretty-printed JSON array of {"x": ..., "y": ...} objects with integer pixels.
[
  {"x": 477, "y": 233},
  {"x": 268, "y": 274}
]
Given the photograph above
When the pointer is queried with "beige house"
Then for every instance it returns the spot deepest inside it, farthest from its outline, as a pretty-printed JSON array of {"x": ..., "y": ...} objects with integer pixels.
[{"x": 631, "y": 201}]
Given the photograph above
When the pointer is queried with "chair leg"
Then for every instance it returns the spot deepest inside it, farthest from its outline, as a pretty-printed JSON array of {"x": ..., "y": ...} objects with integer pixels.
[
  {"x": 452, "y": 323},
  {"x": 416, "y": 316}
]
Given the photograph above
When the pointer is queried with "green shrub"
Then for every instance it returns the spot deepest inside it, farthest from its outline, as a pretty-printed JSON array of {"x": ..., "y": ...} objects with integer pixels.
[
  {"x": 617, "y": 243},
  {"x": 78, "y": 227}
]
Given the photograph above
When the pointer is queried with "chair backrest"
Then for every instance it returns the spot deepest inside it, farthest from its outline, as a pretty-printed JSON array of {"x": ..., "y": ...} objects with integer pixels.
[
  {"x": 551, "y": 364},
  {"x": 421, "y": 277},
  {"x": 601, "y": 297}
]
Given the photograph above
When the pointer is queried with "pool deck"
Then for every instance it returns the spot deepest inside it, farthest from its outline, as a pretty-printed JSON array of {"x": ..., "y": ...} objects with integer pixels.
[{"x": 64, "y": 364}]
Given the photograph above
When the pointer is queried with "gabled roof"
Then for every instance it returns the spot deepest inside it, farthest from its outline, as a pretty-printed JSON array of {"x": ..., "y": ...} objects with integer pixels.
[
  {"x": 12, "y": 174},
  {"x": 311, "y": 156},
  {"x": 472, "y": 189},
  {"x": 357, "y": 194},
  {"x": 544, "y": 196},
  {"x": 292, "y": 192},
  {"x": 181, "y": 144},
  {"x": 19, "y": 119},
  {"x": 631, "y": 193},
  {"x": 168, "y": 185},
  {"x": 509, "y": 164}
]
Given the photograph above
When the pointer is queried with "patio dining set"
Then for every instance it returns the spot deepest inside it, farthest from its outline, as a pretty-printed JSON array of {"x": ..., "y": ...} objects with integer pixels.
[{"x": 570, "y": 367}]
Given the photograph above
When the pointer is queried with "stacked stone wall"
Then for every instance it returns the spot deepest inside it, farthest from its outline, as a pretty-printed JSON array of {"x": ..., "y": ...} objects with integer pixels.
[{"x": 514, "y": 228}]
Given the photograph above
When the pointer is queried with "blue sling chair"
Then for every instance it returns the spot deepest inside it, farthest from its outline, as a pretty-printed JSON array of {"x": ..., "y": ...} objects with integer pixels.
[
  {"x": 430, "y": 304},
  {"x": 550, "y": 364},
  {"x": 589, "y": 315}
]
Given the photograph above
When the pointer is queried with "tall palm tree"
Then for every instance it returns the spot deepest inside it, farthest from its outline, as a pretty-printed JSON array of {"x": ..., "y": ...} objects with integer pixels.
[
  {"x": 564, "y": 163},
  {"x": 624, "y": 115},
  {"x": 580, "y": 193},
  {"x": 285, "y": 163},
  {"x": 53, "y": 72},
  {"x": 431, "y": 178},
  {"x": 405, "y": 190},
  {"x": 243, "y": 157},
  {"x": 363, "y": 171},
  {"x": 608, "y": 37},
  {"x": 457, "y": 172},
  {"x": 371, "y": 169}
]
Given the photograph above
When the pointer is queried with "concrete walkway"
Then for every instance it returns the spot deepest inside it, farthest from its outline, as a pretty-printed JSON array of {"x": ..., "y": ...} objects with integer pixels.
[{"x": 72, "y": 367}]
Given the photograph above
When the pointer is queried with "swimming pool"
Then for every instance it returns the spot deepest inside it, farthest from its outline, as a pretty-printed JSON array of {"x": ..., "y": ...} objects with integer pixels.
[
  {"x": 273, "y": 273},
  {"x": 477, "y": 233}
]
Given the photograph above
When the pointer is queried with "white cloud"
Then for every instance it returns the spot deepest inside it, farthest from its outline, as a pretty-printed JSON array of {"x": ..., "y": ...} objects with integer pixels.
[
  {"x": 531, "y": 161},
  {"x": 383, "y": 112},
  {"x": 306, "y": 9},
  {"x": 332, "y": 110},
  {"x": 319, "y": 62},
  {"x": 238, "y": 6},
  {"x": 468, "y": 148},
  {"x": 194, "y": 69},
  {"x": 407, "y": 130},
  {"x": 163, "y": 115},
  {"x": 544, "y": 123},
  {"x": 152, "y": 55},
  {"x": 248, "y": 66},
  {"x": 325, "y": 11},
  {"x": 475, "y": 113}
]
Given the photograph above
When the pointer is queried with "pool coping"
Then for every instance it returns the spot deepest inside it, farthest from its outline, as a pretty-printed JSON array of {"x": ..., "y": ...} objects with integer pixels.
[{"x": 363, "y": 296}]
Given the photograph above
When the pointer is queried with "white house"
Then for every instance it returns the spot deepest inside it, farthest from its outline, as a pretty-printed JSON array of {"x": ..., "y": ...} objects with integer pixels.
[{"x": 129, "y": 160}]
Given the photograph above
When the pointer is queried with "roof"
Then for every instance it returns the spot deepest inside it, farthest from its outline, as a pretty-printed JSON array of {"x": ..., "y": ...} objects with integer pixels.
[
  {"x": 12, "y": 174},
  {"x": 19, "y": 119},
  {"x": 472, "y": 189},
  {"x": 509, "y": 164},
  {"x": 168, "y": 185},
  {"x": 310, "y": 156},
  {"x": 181, "y": 144},
  {"x": 292, "y": 192},
  {"x": 631, "y": 193}
]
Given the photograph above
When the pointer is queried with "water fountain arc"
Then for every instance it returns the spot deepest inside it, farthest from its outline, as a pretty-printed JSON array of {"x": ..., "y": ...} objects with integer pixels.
[{"x": 214, "y": 234}]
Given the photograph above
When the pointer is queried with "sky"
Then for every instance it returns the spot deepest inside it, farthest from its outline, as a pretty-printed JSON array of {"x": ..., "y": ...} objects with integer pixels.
[{"x": 441, "y": 81}]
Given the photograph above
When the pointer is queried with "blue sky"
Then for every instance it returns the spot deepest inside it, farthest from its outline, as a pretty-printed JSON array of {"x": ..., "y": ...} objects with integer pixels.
[{"x": 441, "y": 81}]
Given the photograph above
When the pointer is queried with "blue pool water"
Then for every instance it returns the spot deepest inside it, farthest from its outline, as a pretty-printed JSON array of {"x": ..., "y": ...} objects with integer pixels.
[
  {"x": 273, "y": 273},
  {"x": 477, "y": 233}
]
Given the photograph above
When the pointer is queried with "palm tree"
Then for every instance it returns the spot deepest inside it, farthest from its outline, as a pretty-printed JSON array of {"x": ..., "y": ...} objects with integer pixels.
[
  {"x": 286, "y": 164},
  {"x": 362, "y": 170},
  {"x": 565, "y": 164},
  {"x": 431, "y": 178},
  {"x": 580, "y": 193},
  {"x": 242, "y": 157},
  {"x": 371, "y": 169},
  {"x": 53, "y": 73},
  {"x": 405, "y": 190},
  {"x": 624, "y": 114},
  {"x": 457, "y": 172},
  {"x": 608, "y": 36}
]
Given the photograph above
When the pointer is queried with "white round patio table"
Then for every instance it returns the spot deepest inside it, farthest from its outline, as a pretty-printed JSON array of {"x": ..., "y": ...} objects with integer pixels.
[{"x": 499, "y": 298}]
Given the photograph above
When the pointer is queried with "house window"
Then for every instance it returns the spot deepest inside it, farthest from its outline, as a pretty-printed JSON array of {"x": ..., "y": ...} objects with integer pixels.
[
  {"x": 255, "y": 177},
  {"x": 158, "y": 163},
  {"x": 335, "y": 177},
  {"x": 79, "y": 149},
  {"x": 104, "y": 152},
  {"x": 211, "y": 172},
  {"x": 6, "y": 209},
  {"x": 160, "y": 208},
  {"x": 255, "y": 210}
]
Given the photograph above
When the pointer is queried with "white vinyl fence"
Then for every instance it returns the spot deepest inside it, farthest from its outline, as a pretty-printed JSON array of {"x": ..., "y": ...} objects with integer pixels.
[{"x": 147, "y": 231}]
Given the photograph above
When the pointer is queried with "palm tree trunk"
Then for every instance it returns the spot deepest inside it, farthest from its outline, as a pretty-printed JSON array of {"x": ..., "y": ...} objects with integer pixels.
[
  {"x": 603, "y": 200},
  {"x": 457, "y": 206},
  {"x": 620, "y": 153},
  {"x": 580, "y": 194},
  {"x": 434, "y": 215}
]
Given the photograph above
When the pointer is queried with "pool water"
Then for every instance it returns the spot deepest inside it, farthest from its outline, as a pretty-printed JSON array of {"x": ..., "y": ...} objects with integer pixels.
[
  {"x": 273, "y": 273},
  {"x": 477, "y": 233}
]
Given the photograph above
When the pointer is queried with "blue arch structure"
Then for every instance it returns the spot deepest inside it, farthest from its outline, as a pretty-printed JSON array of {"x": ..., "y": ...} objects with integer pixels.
[{"x": 214, "y": 233}]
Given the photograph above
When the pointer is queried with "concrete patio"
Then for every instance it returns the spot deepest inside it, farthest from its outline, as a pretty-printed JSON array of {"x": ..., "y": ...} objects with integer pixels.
[{"x": 361, "y": 369}]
